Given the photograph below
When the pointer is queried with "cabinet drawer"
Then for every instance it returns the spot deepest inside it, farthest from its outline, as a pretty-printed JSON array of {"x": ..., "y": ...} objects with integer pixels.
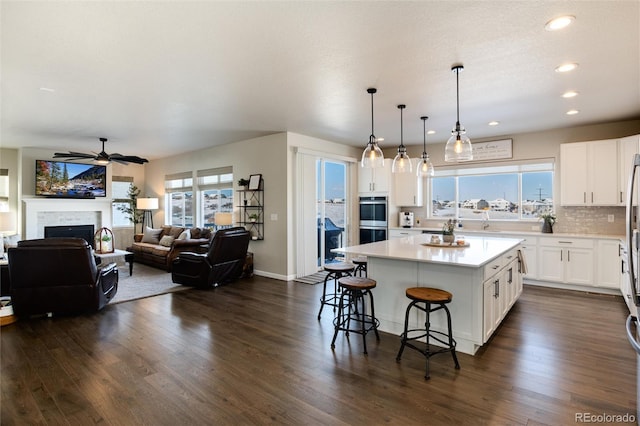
[
  {"x": 493, "y": 267},
  {"x": 566, "y": 242}
]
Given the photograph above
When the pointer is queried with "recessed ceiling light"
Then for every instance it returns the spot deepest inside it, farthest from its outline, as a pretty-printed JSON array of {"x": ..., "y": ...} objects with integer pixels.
[
  {"x": 570, "y": 94},
  {"x": 493, "y": 123},
  {"x": 572, "y": 112},
  {"x": 431, "y": 132},
  {"x": 567, "y": 67},
  {"x": 47, "y": 89},
  {"x": 559, "y": 23}
]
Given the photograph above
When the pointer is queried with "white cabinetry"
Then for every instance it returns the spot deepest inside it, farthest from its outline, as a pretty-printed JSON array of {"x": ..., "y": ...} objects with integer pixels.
[
  {"x": 589, "y": 173},
  {"x": 374, "y": 180},
  {"x": 627, "y": 148},
  {"x": 609, "y": 264},
  {"x": 566, "y": 260},
  {"x": 407, "y": 190},
  {"x": 501, "y": 288}
]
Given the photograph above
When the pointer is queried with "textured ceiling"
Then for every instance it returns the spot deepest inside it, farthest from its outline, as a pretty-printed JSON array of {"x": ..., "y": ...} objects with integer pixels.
[{"x": 158, "y": 78}]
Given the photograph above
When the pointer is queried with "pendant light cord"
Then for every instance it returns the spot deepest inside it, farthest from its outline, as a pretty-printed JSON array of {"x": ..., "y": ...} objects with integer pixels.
[{"x": 424, "y": 137}]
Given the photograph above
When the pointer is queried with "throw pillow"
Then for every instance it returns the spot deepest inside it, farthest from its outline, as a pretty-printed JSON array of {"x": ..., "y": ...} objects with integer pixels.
[
  {"x": 151, "y": 236},
  {"x": 11, "y": 240},
  {"x": 185, "y": 235},
  {"x": 166, "y": 241}
]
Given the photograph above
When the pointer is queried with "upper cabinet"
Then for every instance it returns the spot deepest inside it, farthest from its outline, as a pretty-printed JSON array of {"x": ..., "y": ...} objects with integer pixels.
[
  {"x": 589, "y": 173},
  {"x": 407, "y": 190},
  {"x": 627, "y": 148},
  {"x": 374, "y": 180}
]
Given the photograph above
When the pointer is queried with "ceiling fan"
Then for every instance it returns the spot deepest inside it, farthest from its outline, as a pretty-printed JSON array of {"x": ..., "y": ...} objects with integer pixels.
[{"x": 102, "y": 157}]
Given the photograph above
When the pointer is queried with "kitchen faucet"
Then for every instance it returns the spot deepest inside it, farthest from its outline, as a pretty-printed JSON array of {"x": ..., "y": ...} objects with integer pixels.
[{"x": 485, "y": 220}]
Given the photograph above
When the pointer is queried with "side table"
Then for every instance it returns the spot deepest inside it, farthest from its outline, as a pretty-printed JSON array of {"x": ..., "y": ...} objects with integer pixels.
[{"x": 114, "y": 257}]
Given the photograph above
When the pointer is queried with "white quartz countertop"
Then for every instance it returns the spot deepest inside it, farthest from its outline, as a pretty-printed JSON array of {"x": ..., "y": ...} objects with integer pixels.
[
  {"x": 497, "y": 233},
  {"x": 481, "y": 250}
]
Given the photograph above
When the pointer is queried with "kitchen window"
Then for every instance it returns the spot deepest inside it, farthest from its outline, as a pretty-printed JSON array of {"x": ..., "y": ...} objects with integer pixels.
[{"x": 514, "y": 192}]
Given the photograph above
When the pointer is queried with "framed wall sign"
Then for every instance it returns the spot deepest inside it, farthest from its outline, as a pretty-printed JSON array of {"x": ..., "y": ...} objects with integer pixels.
[
  {"x": 493, "y": 150},
  {"x": 254, "y": 182}
]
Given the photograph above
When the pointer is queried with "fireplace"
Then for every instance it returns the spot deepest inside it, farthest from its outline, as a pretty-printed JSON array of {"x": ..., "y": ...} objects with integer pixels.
[
  {"x": 40, "y": 212},
  {"x": 78, "y": 231}
]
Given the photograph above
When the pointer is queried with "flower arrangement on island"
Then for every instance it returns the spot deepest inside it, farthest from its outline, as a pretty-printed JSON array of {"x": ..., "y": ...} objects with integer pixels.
[{"x": 448, "y": 227}]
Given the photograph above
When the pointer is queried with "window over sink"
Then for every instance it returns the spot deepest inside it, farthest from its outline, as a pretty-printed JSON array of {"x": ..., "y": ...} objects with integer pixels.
[{"x": 510, "y": 192}]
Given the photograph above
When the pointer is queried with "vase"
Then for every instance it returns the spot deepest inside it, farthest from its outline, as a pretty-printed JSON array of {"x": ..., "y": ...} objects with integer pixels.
[
  {"x": 547, "y": 227},
  {"x": 448, "y": 238}
]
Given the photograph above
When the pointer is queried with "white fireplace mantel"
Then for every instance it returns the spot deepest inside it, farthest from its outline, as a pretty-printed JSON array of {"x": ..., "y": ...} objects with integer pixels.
[{"x": 36, "y": 207}]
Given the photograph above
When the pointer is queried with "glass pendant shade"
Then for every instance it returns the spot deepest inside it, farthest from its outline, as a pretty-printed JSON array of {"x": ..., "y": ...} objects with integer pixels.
[
  {"x": 458, "y": 146},
  {"x": 401, "y": 162},
  {"x": 424, "y": 167},
  {"x": 372, "y": 157}
]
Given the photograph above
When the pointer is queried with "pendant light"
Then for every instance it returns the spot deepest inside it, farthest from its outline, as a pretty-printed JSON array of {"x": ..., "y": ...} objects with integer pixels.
[
  {"x": 424, "y": 167},
  {"x": 402, "y": 162},
  {"x": 458, "y": 146},
  {"x": 372, "y": 156}
]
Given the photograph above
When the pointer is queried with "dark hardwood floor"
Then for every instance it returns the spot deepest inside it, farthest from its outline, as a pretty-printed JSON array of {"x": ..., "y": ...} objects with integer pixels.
[{"x": 253, "y": 352}]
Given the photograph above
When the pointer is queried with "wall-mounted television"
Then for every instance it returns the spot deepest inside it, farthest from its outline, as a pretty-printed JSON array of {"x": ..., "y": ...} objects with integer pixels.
[{"x": 63, "y": 179}]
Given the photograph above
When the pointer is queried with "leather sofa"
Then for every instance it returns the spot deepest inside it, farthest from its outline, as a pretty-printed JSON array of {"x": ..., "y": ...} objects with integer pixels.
[
  {"x": 59, "y": 276},
  {"x": 159, "y": 247},
  {"x": 223, "y": 262}
]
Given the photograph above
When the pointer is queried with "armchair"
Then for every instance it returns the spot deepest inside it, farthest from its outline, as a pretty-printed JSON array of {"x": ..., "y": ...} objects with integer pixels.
[
  {"x": 222, "y": 263},
  {"x": 60, "y": 276}
]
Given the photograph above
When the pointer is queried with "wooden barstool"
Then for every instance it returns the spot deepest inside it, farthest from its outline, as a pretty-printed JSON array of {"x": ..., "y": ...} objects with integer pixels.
[
  {"x": 361, "y": 266},
  {"x": 336, "y": 271},
  {"x": 352, "y": 309},
  {"x": 423, "y": 298}
]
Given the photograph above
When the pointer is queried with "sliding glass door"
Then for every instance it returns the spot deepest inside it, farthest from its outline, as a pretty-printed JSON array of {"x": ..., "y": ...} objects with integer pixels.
[{"x": 331, "y": 210}]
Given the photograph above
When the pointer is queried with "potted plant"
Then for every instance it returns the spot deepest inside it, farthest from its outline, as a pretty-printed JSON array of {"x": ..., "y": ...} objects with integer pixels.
[
  {"x": 548, "y": 219},
  {"x": 243, "y": 182},
  {"x": 447, "y": 231},
  {"x": 253, "y": 217}
]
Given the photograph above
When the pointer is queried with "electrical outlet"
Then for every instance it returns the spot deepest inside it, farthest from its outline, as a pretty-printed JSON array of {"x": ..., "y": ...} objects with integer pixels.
[
  {"x": 274, "y": 216},
  {"x": 610, "y": 218}
]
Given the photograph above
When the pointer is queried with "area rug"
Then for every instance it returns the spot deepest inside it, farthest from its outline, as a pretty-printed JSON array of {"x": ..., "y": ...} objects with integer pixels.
[
  {"x": 316, "y": 278},
  {"x": 146, "y": 281}
]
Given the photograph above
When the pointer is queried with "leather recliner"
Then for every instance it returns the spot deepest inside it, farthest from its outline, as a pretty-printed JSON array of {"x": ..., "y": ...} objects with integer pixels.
[
  {"x": 221, "y": 264},
  {"x": 58, "y": 276}
]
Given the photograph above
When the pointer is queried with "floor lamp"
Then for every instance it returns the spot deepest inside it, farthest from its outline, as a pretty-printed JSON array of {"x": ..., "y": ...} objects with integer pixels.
[{"x": 146, "y": 205}]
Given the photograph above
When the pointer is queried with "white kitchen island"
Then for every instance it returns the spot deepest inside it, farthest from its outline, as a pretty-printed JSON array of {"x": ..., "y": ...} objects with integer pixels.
[{"x": 485, "y": 279}]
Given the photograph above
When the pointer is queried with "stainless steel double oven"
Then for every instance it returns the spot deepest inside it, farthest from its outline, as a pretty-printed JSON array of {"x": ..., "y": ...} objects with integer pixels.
[{"x": 373, "y": 219}]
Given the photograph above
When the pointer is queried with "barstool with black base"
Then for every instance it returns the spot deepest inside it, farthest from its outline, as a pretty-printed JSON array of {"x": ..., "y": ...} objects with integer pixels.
[
  {"x": 361, "y": 266},
  {"x": 423, "y": 298},
  {"x": 336, "y": 271},
  {"x": 352, "y": 310}
]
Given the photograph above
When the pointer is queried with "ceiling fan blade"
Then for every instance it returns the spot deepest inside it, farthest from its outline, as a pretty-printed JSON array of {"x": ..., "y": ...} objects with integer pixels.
[
  {"x": 72, "y": 155},
  {"x": 128, "y": 158}
]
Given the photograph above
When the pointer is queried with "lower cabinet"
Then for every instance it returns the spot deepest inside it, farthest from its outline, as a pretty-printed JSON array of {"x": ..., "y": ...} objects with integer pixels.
[
  {"x": 609, "y": 264},
  {"x": 566, "y": 260},
  {"x": 501, "y": 288}
]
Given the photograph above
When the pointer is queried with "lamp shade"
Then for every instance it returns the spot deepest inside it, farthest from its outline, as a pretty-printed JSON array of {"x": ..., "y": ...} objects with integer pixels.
[
  {"x": 147, "y": 203},
  {"x": 224, "y": 219},
  {"x": 7, "y": 221}
]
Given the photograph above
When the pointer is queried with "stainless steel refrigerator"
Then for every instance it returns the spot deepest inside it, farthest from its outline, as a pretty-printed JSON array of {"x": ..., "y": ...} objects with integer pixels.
[{"x": 631, "y": 288}]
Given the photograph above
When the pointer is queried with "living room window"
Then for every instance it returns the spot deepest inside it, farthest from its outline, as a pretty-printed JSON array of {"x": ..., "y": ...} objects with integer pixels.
[
  {"x": 513, "y": 192},
  {"x": 179, "y": 199},
  {"x": 120, "y": 199},
  {"x": 215, "y": 195}
]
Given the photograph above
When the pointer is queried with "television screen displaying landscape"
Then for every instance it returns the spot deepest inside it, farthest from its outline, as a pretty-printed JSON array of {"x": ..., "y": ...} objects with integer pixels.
[{"x": 70, "y": 180}]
